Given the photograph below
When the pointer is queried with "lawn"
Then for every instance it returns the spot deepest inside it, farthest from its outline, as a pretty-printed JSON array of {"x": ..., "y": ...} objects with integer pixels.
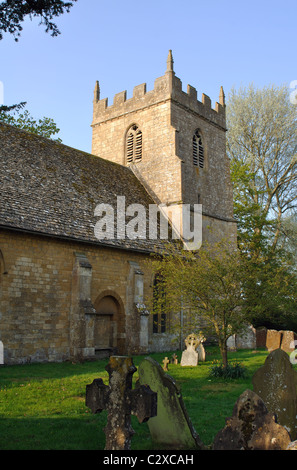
[{"x": 42, "y": 406}]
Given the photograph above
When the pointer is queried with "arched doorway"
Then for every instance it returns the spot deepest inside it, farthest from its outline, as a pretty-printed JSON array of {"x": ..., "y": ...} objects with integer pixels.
[{"x": 109, "y": 325}]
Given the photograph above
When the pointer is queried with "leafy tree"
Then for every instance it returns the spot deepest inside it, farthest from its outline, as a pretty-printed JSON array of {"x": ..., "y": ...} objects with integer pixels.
[
  {"x": 209, "y": 285},
  {"x": 13, "y": 108},
  {"x": 269, "y": 286},
  {"x": 45, "y": 127},
  {"x": 13, "y": 13},
  {"x": 261, "y": 145}
]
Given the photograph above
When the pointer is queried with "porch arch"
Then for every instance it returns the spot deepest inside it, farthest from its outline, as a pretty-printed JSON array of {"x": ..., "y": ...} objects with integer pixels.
[{"x": 109, "y": 328}]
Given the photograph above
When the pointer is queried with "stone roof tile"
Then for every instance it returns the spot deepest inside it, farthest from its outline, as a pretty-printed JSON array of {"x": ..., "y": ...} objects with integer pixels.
[{"x": 52, "y": 189}]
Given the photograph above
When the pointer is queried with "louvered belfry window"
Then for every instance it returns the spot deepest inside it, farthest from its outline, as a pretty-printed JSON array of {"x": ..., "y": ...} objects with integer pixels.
[
  {"x": 134, "y": 145},
  {"x": 198, "y": 150}
]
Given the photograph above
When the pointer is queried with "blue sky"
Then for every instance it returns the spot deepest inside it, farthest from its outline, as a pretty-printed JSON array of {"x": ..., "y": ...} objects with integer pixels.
[{"x": 123, "y": 44}]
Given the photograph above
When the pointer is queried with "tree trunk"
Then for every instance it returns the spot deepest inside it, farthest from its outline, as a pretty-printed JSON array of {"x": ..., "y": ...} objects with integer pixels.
[{"x": 223, "y": 348}]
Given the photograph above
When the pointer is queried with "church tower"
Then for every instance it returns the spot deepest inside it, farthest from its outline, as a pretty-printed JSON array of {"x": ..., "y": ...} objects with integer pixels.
[{"x": 175, "y": 145}]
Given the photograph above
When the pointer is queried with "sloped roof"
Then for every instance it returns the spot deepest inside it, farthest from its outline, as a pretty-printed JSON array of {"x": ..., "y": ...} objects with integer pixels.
[{"x": 52, "y": 189}]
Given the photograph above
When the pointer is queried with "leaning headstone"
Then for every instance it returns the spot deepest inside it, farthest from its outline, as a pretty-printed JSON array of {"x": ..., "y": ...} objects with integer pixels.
[
  {"x": 172, "y": 426},
  {"x": 273, "y": 340},
  {"x": 190, "y": 355},
  {"x": 251, "y": 427},
  {"x": 276, "y": 383},
  {"x": 120, "y": 401}
]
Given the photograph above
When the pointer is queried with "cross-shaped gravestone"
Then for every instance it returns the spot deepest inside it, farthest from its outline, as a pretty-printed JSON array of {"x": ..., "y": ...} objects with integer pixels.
[
  {"x": 165, "y": 363},
  {"x": 120, "y": 401}
]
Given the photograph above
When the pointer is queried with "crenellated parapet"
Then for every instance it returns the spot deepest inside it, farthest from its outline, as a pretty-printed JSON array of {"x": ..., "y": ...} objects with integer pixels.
[{"x": 166, "y": 87}]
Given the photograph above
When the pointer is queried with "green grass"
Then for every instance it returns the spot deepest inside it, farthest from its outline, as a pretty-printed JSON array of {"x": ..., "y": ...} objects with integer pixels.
[{"x": 42, "y": 406}]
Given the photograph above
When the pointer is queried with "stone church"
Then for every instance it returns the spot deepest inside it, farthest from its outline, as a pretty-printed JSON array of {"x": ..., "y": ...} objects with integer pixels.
[{"x": 64, "y": 293}]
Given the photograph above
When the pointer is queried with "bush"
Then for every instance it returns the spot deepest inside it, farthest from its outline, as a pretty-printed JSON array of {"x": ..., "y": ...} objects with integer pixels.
[{"x": 233, "y": 370}]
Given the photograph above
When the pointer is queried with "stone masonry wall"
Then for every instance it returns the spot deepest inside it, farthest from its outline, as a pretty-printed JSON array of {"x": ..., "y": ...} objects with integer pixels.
[
  {"x": 168, "y": 118},
  {"x": 210, "y": 185},
  {"x": 36, "y": 295},
  {"x": 160, "y": 168}
]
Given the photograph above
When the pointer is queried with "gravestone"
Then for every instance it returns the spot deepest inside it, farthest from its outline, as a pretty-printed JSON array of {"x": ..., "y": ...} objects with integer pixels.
[
  {"x": 288, "y": 341},
  {"x": 231, "y": 343},
  {"x": 273, "y": 340},
  {"x": 174, "y": 359},
  {"x": 247, "y": 338},
  {"x": 251, "y": 427},
  {"x": 165, "y": 363},
  {"x": 120, "y": 401},
  {"x": 276, "y": 383},
  {"x": 172, "y": 426},
  {"x": 261, "y": 334},
  {"x": 201, "y": 353},
  {"x": 190, "y": 355}
]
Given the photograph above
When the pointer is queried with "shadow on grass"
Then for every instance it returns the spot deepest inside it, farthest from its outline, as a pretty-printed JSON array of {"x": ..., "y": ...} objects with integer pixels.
[
  {"x": 208, "y": 402},
  {"x": 64, "y": 433},
  {"x": 52, "y": 433}
]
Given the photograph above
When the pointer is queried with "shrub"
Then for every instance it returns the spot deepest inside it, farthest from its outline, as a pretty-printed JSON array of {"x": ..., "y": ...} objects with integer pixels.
[{"x": 233, "y": 370}]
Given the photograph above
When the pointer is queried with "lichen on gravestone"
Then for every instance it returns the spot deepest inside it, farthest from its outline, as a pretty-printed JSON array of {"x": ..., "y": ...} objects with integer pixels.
[
  {"x": 120, "y": 401},
  {"x": 172, "y": 427},
  {"x": 276, "y": 383},
  {"x": 251, "y": 427}
]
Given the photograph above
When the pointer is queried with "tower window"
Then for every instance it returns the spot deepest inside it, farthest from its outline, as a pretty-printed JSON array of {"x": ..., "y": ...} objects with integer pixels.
[
  {"x": 134, "y": 145},
  {"x": 198, "y": 150}
]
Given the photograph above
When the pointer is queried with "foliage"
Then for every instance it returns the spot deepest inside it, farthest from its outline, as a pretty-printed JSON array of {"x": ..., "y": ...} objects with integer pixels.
[
  {"x": 261, "y": 145},
  {"x": 45, "y": 127},
  {"x": 270, "y": 287},
  {"x": 233, "y": 370},
  {"x": 208, "y": 283},
  {"x": 4, "y": 109},
  {"x": 13, "y": 13}
]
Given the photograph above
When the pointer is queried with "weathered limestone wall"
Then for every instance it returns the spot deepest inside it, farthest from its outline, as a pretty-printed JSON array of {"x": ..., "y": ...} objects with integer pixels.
[
  {"x": 45, "y": 313},
  {"x": 160, "y": 167},
  {"x": 168, "y": 118}
]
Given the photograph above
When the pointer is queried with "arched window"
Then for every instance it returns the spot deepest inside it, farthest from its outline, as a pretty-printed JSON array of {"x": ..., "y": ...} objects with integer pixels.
[
  {"x": 198, "y": 150},
  {"x": 134, "y": 145}
]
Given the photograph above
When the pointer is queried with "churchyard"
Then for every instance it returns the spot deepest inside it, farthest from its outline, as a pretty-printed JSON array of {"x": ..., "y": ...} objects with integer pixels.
[{"x": 43, "y": 406}]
